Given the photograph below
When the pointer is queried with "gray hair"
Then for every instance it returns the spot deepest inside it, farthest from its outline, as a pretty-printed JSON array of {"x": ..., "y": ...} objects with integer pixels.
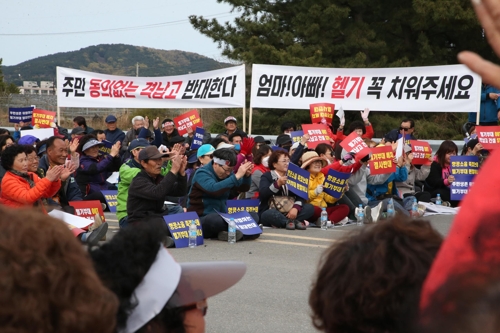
[{"x": 136, "y": 118}]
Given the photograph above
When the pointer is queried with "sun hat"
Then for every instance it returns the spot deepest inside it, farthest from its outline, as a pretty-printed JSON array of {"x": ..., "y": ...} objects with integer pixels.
[
  {"x": 224, "y": 145},
  {"x": 260, "y": 139},
  {"x": 312, "y": 156},
  {"x": 205, "y": 149},
  {"x": 78, "y": 131},
  {"x": 90, "y": 144},
  {"x": 283, "y": 139},
  {"x": 28, "y": 140}
]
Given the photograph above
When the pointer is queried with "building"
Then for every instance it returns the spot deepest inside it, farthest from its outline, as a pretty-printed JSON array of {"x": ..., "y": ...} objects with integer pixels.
[{"x": 32, "y": 88}]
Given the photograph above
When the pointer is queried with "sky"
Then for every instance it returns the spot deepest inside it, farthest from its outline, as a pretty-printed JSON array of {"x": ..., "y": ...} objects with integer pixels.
[{"x": 27, "y": 27}]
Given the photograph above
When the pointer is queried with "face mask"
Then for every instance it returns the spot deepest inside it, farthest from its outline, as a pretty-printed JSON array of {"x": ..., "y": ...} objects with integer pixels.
[
  {"x": 237, "y": 147},
  {"x": 265, "y": 161}
]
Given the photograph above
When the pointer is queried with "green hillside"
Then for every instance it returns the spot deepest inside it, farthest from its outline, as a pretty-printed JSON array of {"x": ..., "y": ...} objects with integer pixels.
[{"x": 115, "y": 59}]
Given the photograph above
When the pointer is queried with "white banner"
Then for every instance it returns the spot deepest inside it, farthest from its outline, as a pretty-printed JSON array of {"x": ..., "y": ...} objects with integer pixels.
[
  {"x": 452, "y": 88},
  {"x": 222, "y": 88}
]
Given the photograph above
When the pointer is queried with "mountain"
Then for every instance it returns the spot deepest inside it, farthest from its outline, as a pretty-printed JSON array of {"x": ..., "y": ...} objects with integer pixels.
[{"x": 115, "y": 59}]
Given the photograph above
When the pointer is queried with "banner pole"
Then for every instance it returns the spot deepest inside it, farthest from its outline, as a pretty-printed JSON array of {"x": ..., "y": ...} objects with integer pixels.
[
  {"x": 478, "y": 111},
  {"x": 250, "y": 122},
  {"x": 244, "y": 119},
  {"x": 58, "y": 115}
]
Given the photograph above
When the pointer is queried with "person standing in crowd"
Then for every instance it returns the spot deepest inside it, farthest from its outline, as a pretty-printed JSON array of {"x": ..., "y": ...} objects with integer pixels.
[
  {"x": 210, "y": 189},
  {"x": 49, "y": 284},
  {"x": 440, "y": 177},
  {"x": 113, "y": 133},
  {"x": 261, "y": 166},
  {"x": 81, "y": 122},
  {"x": 407, "y": 128},
  {"x": 371, "y": 280},
  {"x": 231, "y": 128},
  {"x": 274, "y": 193},
  {"x": 489, "y": 111}
]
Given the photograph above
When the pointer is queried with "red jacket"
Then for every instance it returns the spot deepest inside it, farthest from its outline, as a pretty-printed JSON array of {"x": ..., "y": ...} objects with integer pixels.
[
  {"x": 340, "y": 168},
  {"x": 368, "y": 135},
  {"x": 16, "y": 191}
]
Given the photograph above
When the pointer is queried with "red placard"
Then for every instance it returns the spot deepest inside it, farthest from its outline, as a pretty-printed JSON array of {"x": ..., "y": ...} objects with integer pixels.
[
  {"x": 354, "y": 143},
  {"x": 322, "y": 113},
  {"x": 318, "y": 133},
  {"x": 488, "y": 136},
  {"x": 88, "y": 209},
  {"x": 421, "y": 151},
  {"x": 189, "y": 119},
  {"x": 382, "y": 160},
  {"x": 43, "y": 118}
]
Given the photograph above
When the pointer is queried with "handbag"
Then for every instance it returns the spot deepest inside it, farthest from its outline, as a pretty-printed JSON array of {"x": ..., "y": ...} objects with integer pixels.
[{"x": 282, "y": 204}]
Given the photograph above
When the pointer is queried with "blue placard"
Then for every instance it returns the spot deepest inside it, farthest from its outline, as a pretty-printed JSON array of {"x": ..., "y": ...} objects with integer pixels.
[
  {"x": 274, "y": 148},
  {"x": 296, "y": 136},
  {"x": 199, "y": 133},
  {"x": 464, "y": 169},
  {"x": 460, "y": 187},
  {"x": 17, "y": 115},
  {"x": 335, "y": 183},
  {"x": 298, "y": 181},
  {"x": 111, "y": 199},
  {"x": 244, "y": 222},
  {"x": 407, "y": 140},
  {"x": 178, "y": 225},
  {"x": 235, "y": 206},
  {"x": 105, "y": 149}
]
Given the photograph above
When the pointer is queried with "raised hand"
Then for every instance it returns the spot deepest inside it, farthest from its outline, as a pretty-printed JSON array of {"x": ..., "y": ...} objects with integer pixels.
[
  {"x": 243, "y": 169},
  {"x": 365, "y": 113},
  {"x": 73, "y": 146},
  {"x": 54, "y": 173},
  {"x": 156, "y": 123},
  {"x": 67, "y": 172},
  {"x": 115, "y": 149},
  {"x": 146, "y": 122},
  {"x": 176, "y": 164}
]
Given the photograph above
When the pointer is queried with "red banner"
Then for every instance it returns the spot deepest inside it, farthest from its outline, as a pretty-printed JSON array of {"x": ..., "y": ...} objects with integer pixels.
[
  {"x": 318, "y": 133},
  {"x": 43, "y": 119},
  {"x": 354, "y": 143},
  {"x": 488, "y": 136},
  {"x": 88, "y": 209},
  {"x": 189, "y": 119},
  {"x": 382, "y": 161},
  {"x": 422, "y": 152},
  {"x": 322, "y": 113}
]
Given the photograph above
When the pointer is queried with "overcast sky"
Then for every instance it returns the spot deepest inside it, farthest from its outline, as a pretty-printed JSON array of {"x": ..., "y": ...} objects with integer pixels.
[{"x": 36, "y": 20}]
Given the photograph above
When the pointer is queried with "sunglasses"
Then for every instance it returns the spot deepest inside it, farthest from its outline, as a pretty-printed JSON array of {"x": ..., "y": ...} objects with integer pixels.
[
  {"x": 404, "y": 129},
  {"x": 201, "y": 305}
]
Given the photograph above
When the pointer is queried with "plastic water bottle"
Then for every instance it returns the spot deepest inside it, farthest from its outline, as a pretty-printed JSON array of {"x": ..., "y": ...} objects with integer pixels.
[
  {"x": 438, "y": 200},
  {"x": 231, "y": 231},
  {"x": 390, "y": 209},
  {"x": 360, "y": 214},
  {"x": 324, "y": 219},
  {"x": 414, "y": 209},
  {"x": 192, "y": 234}
]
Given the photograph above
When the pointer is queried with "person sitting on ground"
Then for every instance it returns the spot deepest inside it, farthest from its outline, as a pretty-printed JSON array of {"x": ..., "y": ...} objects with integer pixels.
[
  {"x": 407, "y": 128},
  {"x": 156, "y": 293},
  {"x": 317, "y": 197},
  {"x": 231, "y": 127},
  {"x": 81, "y": 122},
  {"x": 235, "y": 139},
  {"x": 415, "y": 173},
  {"x": 5, "y": 141},
  {"x": 260, "y": 141},
  {"x": 297, "y": 149},
  {"x": 169, "y": 133},
  {"x": 440, "y": 177},
  {"x": 113, "y": 133},
  {"x": 261, "y": 166},
  {"x": 273, "y": 190},
  {"x": 371, "y": 280},
  {"x": 288, "y": 127},
  {"x": 133, "y": 133},
  {"x": 205, "y": 154},
  {"x": 99, "y": 135},
  {"x": 33, "y": 160},
  {"x": 50, "y": 285},
  {"x": 211, "y": 188},
  {"x": 284, "y": 141},
  {"x": 474, "y": 148},
  {"x": 77, "y": 133}
]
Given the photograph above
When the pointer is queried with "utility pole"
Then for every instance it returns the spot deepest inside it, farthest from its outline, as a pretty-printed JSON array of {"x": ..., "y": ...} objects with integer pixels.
[{"x": 137, "y": 69}]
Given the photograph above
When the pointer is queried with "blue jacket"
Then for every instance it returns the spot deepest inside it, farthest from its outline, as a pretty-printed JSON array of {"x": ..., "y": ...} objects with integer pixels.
[
  {"x": 373, "y": 191},
  {"x": 69, "y": 190},
  {"x": 114, "y": 136},
  {"x": 489, "y": 107},
  {"x": 92, "y": 173},
  {"x": 209, "y": 193}
]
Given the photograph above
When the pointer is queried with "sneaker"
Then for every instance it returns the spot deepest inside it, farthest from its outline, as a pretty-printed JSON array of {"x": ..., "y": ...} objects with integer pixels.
[
  {"x": 93, "y": 237},
  {"x": 368, "y": 215},
  {"x": 290, "y": 225},
  {"x": 446, "y": 204},
  {"x": 376, "y": 211},
  {"x": 344, "y": 221},
  {"x": 299, "y": 225},
  {"x": 97, "y": 223},
  {"x": 223, "y": 235},
  {"x": 168, "y": 242}
]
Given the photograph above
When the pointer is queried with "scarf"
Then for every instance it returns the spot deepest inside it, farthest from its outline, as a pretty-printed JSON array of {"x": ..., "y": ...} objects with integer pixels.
[{"x": 27, "y": 177}]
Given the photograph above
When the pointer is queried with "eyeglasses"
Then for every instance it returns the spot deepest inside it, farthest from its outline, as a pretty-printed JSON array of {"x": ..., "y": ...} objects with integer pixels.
[
  {"x": 404, "y": 129},
  {"x": 227, "y": 170},
  {"x": 284, "y": 161},
  {"x": 33, "y": 159},
  {"x": 201, "y": 305}
]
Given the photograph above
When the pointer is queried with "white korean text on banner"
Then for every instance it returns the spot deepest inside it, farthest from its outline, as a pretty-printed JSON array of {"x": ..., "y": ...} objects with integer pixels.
[
  {"x": 452, "y": 88},
  {"x": 222, "y": 88}
]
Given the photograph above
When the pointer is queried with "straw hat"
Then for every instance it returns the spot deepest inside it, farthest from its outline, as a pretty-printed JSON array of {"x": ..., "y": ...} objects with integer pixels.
[{"x": 311, "y": 156}]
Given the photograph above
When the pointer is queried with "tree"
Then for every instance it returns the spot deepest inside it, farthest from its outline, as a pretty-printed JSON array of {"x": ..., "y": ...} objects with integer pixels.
[{"x": 6, "y": 88}]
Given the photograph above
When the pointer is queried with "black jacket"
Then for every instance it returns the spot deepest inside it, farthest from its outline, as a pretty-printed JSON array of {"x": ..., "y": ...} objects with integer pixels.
[{"x": 267, "y": 190}]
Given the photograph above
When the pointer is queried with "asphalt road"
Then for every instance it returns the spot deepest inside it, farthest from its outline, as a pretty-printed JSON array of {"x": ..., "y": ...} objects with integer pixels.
[{"x": 273, "y": 294}]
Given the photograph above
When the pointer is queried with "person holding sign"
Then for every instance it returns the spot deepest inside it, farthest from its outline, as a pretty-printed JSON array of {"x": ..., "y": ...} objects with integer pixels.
[
  {"x": 288, "y": 210},
  {"x": 440, "y": 177},
  {"x": 211, "y": 188},
  {"x": 261, "y": 166},
  {"x": 319, "y": 199},
  {"x": 475, "y": 148},
  {"x": 415, "y": 173},
  {"x": 364, "y": 129}
]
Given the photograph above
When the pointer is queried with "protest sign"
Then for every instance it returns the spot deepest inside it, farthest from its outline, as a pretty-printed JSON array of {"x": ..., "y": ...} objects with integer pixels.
[
  {"x": 235, "y": 206},
  {"x": 114, "y": 178},
  {"x": 488, "y": 136},
  {"x": 70, "y": 219},
  {"x": 422, "y": 152},
  {"x": 42, "y": 133},
  {"x": 105, "y": 149},
  {"x": 17, "y": 115},
  {"x": 322, "y": 113},
  {"x": 354, "y": 143},
  {"x": 111, "y": 199},
  {"x": 189, "y": 119},
  {"x": 407, "y": 138},
  {"x": 244, "y": 222},
  {"x": 221, "y": 88},
  {"x": 298, "y": 181},
  {"x": 178, "y": 224},
  {"x": 274, "y": 148},
  {"x": 199, "y": 133},
  {"x": 335, "y": 183},
  {"x": 43, "y": 118},
  {"x": 382, "y": 161},
  {"x": 318, "y": 133},
  {"x": 296, "y": 136},
  {"x": 464, "y": 169},
  {"x": 88, "y": 209}
]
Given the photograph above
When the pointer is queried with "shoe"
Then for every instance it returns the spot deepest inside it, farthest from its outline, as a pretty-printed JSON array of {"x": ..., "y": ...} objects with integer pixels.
[
  {"x": 446, "y": 204},
  {"x": 97, "y": 223},
  {"x": 299, "y": 225},
  {"x": 376, "y": 211},
  {"x": 344, "y": 221},
  {"x": 168, "y": 242},
  {"x": 104, "y": 206},
  {"x": 223, "y": 235},
  {"x": 94, "y": 236},
  {"x": 368, "y": 215},
  {"x": 261, "y": 227},
  {"x": 290, "y": 225}
]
